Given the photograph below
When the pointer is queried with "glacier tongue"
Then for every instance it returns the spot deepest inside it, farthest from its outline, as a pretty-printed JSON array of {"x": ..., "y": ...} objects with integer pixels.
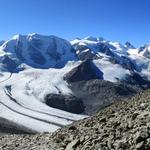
[{"x": 22, "y": 95}]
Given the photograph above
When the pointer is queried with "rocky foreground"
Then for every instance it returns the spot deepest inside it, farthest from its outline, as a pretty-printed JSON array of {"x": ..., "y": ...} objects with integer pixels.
[{"x": 122, "y": 126}]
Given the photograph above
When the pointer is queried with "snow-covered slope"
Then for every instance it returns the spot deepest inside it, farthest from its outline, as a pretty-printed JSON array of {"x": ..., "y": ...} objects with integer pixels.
[
  {"x": 32, "y": 66},
  {"x": 115, "y": 60},
  {"x": 108, "y": 56},
  {"x": 36, "y": 51},
  {"x": 22, "y": 99}
]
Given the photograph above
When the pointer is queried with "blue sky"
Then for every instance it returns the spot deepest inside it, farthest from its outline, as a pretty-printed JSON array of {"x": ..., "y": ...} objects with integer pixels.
[{"x": 116, "y": 20}]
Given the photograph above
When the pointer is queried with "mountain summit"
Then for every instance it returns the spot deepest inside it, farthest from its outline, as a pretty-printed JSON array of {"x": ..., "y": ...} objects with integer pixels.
[{"x": 37, "y": 51}]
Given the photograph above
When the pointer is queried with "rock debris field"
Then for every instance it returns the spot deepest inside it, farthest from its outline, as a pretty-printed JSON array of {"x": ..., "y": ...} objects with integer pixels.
[{"x": 124, "y": 125}]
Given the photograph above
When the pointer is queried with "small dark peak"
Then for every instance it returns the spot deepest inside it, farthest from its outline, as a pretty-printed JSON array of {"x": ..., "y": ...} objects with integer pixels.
[
  {"x": 129, "y": 45},
  {"x": 84, "y": 72},
  {"x": 142, "y": 48},
  {"x": 145, "y": 50}
]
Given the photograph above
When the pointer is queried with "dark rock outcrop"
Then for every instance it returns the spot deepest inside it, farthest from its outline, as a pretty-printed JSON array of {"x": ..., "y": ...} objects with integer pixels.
[
  {"x": 86, "y": 83},
  {"x": 137, "y": 80},
  {"x": 85, "y": 71},
  {"x": 65, "y": 102},
  {"x": 9, "y": 64},
  {"x": 129, "y": 45}
]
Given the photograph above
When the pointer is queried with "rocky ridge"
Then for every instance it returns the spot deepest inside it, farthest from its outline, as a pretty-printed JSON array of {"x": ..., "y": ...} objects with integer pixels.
[{"x": 122, "y": 126}]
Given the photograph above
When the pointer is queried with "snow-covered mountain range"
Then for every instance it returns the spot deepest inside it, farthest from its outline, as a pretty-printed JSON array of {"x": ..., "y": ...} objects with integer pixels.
[
  {"x": 33, "y": 66},
  {"x": 114, "y": 59}
]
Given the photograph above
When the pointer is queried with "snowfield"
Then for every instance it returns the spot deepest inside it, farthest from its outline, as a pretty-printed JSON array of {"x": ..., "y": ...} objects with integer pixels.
[
  {"x": 112, "y": 72},
  {"x": 22, "y": 95}
]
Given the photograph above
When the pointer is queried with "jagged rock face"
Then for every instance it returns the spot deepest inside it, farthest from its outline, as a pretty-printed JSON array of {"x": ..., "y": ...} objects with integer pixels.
[
  {"x": 145, "y": 51},
  {"x": 137, "y": 80},
  {"x": 142, "y": 48},
  {"x": 129, "y": 45},
  {"x": 64, "y": 102},
  {"x": 86, "y": 51},
  {"x": 125, "y": 62},
  {"x": 85, "y": 71},
  {"x": 97, "y": 49},
  {"x": 87, "y": 54}
]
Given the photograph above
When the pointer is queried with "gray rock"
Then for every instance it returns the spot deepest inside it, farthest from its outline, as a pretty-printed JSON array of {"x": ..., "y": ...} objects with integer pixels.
[
  {"x": 72, "y": 144},
  {"x": 97, "y": 94},
  {"x": 65, "y": 102},
  {"x": 141, "y": 135},
  {"x": 85, "y": 71},
  {"x": 140, "y": 146},
  {"x": 91, "y": 134}
]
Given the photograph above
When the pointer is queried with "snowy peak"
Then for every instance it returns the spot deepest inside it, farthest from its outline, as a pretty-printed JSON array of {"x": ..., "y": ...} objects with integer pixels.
[
  {"x": 108, "y": 54},
  {"x": 88, "y": 48},
  {"x": 145, "y": 51},
  {"x": 129, "y": 45},
  {"x": 38, "y": 51},
  {"x": 98, "y": 44}
]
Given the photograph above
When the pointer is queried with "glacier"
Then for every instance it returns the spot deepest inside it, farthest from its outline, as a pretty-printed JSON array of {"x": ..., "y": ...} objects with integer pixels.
[{"x": 33, "y": 65}]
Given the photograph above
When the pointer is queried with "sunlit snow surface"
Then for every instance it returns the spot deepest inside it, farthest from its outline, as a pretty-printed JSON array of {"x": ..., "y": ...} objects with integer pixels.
[
  {"x": 29, "y": 88},
  {"x": 112, "y": 72}
]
